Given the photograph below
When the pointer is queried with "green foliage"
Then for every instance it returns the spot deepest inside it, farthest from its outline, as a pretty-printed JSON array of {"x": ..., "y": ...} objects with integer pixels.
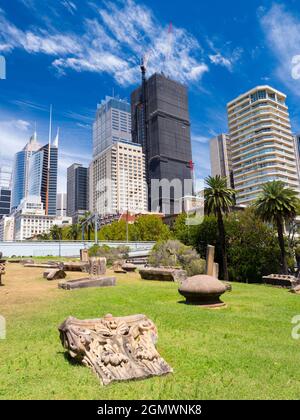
[
  {"x": 110, "y": 253},
  {"x": 253, "y": 249},
  {"x": 252, "y": 245},
  {"x": 145, "y": 228},
  {"x": 182, "y": 231},
  {"x": 277, "y": 202},
  {"x": 73, "y": 232},
  {"x": 173, "y": 253},
  {"x": 218, "y": 197},
  {"x": 56, "y": 233}
]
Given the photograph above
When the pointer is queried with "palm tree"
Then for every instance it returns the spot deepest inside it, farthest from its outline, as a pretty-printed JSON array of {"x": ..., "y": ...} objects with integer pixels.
[
  {"x": 218, "y": 200},
  {"x": 73, "y": 232},
  {"x": 56, "y": 233},
  {"x": 278, "y": 204}
]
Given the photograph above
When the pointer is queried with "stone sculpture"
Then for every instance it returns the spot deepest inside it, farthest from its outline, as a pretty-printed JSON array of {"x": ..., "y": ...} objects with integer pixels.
[
  {"x": 163, "y": 274},
  {"x": 203, "y": 290},
  {"x": 96, "y": 269},
  {"x": 129, "y": 268},
  {"x": 118, "y": 267},
  {"x": 281, "y": 280},
  {"x": 116, "y": 349},
  {"x": 84, "y": 255},
  {"x": 54, "y": 274}
]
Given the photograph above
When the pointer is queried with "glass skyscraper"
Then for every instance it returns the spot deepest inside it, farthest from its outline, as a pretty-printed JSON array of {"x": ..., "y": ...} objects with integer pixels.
[{"x": 20, "y": 178}]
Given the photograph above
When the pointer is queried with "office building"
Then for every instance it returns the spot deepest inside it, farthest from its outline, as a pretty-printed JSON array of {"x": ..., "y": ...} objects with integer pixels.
[
  {"x": 220, "y": 158},
  {"x": 7, "y": 228},
  {"x": 119, "y": 180},
  {"x": 117, "y": 172},
  {"x": 261, "y": 142},
  {"x": 20, "y": 176},
  {"x": 161, "y": 124},
  {"x": 61, "y": 204},
  {"x": 77, "y": 191},
  {"x": 30, "y": 219},
  {"x": 5, "y": 190},
  {"x": 112, "y": 124}
]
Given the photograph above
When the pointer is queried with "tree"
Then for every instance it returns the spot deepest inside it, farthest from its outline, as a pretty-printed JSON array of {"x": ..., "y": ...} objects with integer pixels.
[
  {"x": 218, "y": 199},
  {"x": 88, "y": 224},
  {"x": 182, "y": 231},
  {"x": 73, "y": 232},
  {"x": 278, "y": 204},
  {"x": 253, "y": 250},
  {"x": 56, "y": 233},
  {"x": 151, "y": 228}
]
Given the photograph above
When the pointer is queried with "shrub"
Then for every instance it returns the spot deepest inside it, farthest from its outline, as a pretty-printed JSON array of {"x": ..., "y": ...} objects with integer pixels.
[
  {"x": 111, "y": 254},
  {"x": 173, "y": 253}
]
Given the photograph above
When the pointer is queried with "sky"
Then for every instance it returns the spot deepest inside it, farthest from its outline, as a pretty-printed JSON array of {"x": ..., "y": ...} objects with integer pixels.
[{"x": 72, "y": 53}]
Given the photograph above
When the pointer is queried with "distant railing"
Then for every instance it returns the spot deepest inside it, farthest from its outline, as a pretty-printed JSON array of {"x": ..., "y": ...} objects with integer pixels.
[{"x": 66, "y": 248}]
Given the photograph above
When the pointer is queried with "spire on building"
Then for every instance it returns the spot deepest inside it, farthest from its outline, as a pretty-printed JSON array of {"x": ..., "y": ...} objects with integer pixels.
[{"x": 56, "y": 140}]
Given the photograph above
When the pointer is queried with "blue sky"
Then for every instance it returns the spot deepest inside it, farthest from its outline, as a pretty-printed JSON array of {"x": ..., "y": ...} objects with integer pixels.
[{"x": 72, "y": 53}]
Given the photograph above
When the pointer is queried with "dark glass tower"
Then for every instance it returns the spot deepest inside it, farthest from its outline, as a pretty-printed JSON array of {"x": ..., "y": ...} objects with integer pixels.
[
  {"x": 161, "y": 124},
  {"x": 77, "y": 191}
]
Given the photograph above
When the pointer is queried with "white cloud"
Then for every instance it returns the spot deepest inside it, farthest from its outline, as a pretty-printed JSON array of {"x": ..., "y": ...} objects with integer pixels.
[
  {"x": 113, "y": 42},
  {"x": 14, "y": 134},
  {"x": 282, "y": 32}
]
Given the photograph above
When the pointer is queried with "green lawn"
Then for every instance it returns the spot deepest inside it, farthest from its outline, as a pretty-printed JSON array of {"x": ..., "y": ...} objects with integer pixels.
[{"x": 242, "y": 351}]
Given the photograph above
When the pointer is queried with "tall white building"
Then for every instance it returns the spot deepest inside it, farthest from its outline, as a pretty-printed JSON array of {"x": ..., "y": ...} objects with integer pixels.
[
  {"x": 220, "y": 157},
  {"x": 117, "y": 178},
  {"x": 261, "y": 141}
]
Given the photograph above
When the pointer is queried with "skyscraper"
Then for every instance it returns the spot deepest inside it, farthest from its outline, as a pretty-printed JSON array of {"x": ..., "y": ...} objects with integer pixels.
[
  {"x": 5, "y": 190},
  {"x": 119, "y": 181},
  {"x": 161, "y": 124},
  {"x": 77, "y": 191},
  {"x": 262, "y": 145},
  {"x": 112, "y": 123},
  {"x": 43, "y": 166},
  {"x": 20, "y": 176},
  {"x": 220, "y": 157},
  {"x": 61, "y": 205},
  {"x": 117, "y": 172}
]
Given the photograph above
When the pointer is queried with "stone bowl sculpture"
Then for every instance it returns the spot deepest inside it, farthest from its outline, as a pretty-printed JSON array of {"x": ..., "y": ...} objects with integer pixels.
[{"x": 203, "y": 290}]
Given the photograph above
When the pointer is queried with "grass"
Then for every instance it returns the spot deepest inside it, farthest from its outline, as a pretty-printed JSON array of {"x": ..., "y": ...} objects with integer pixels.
[{"x": 244, "y": 351}]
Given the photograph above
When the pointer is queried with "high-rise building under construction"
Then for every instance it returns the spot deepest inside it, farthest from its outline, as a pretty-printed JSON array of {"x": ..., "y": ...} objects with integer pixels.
[{"x": 161, "y": 124}]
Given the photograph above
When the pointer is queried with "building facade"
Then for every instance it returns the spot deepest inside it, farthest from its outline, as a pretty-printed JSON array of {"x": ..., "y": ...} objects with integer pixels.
[
  {"x": 220, "y": 158},
  {"x": 30, "y": 219},
  {"x": 261, "y": 141},
  {"x": 112, "y": 124},
  {"x": 61, "y": 204},
  {"x": 20, "y": 176},
  {"x": 161, "y": 124},
  {"x": 43, "y": 167},
  {"x": 77, "y": 191},
  {"x": 119, "y": 180},
  {"x": 7, "y": 228}
]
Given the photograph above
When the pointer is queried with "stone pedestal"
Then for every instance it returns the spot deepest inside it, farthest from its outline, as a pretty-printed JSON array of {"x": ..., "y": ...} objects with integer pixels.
[
  {"x": 210, "y": 260},
  {"x": 2, "y": 270},
  {"x": 202, "y": 290},
  {"x": 116, "y": 349},
  {"x": 84, "y": 255}
]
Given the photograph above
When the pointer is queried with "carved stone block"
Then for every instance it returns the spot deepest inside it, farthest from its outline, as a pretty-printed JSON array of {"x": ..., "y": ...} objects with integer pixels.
[
  {"x": 84, "y": 255},
  {"x": 163, "y": 274},
  {"x": 118, "y": 267},
  {"x": 97, "y": 266},
  {"x": 54, "y": 274},
  {"x": 87, "y": 282},
  {"x": 116, "y": 349}
]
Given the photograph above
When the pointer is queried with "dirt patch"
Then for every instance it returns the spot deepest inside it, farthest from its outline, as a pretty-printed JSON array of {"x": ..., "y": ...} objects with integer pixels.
[{"x": 25, "y": 286}]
